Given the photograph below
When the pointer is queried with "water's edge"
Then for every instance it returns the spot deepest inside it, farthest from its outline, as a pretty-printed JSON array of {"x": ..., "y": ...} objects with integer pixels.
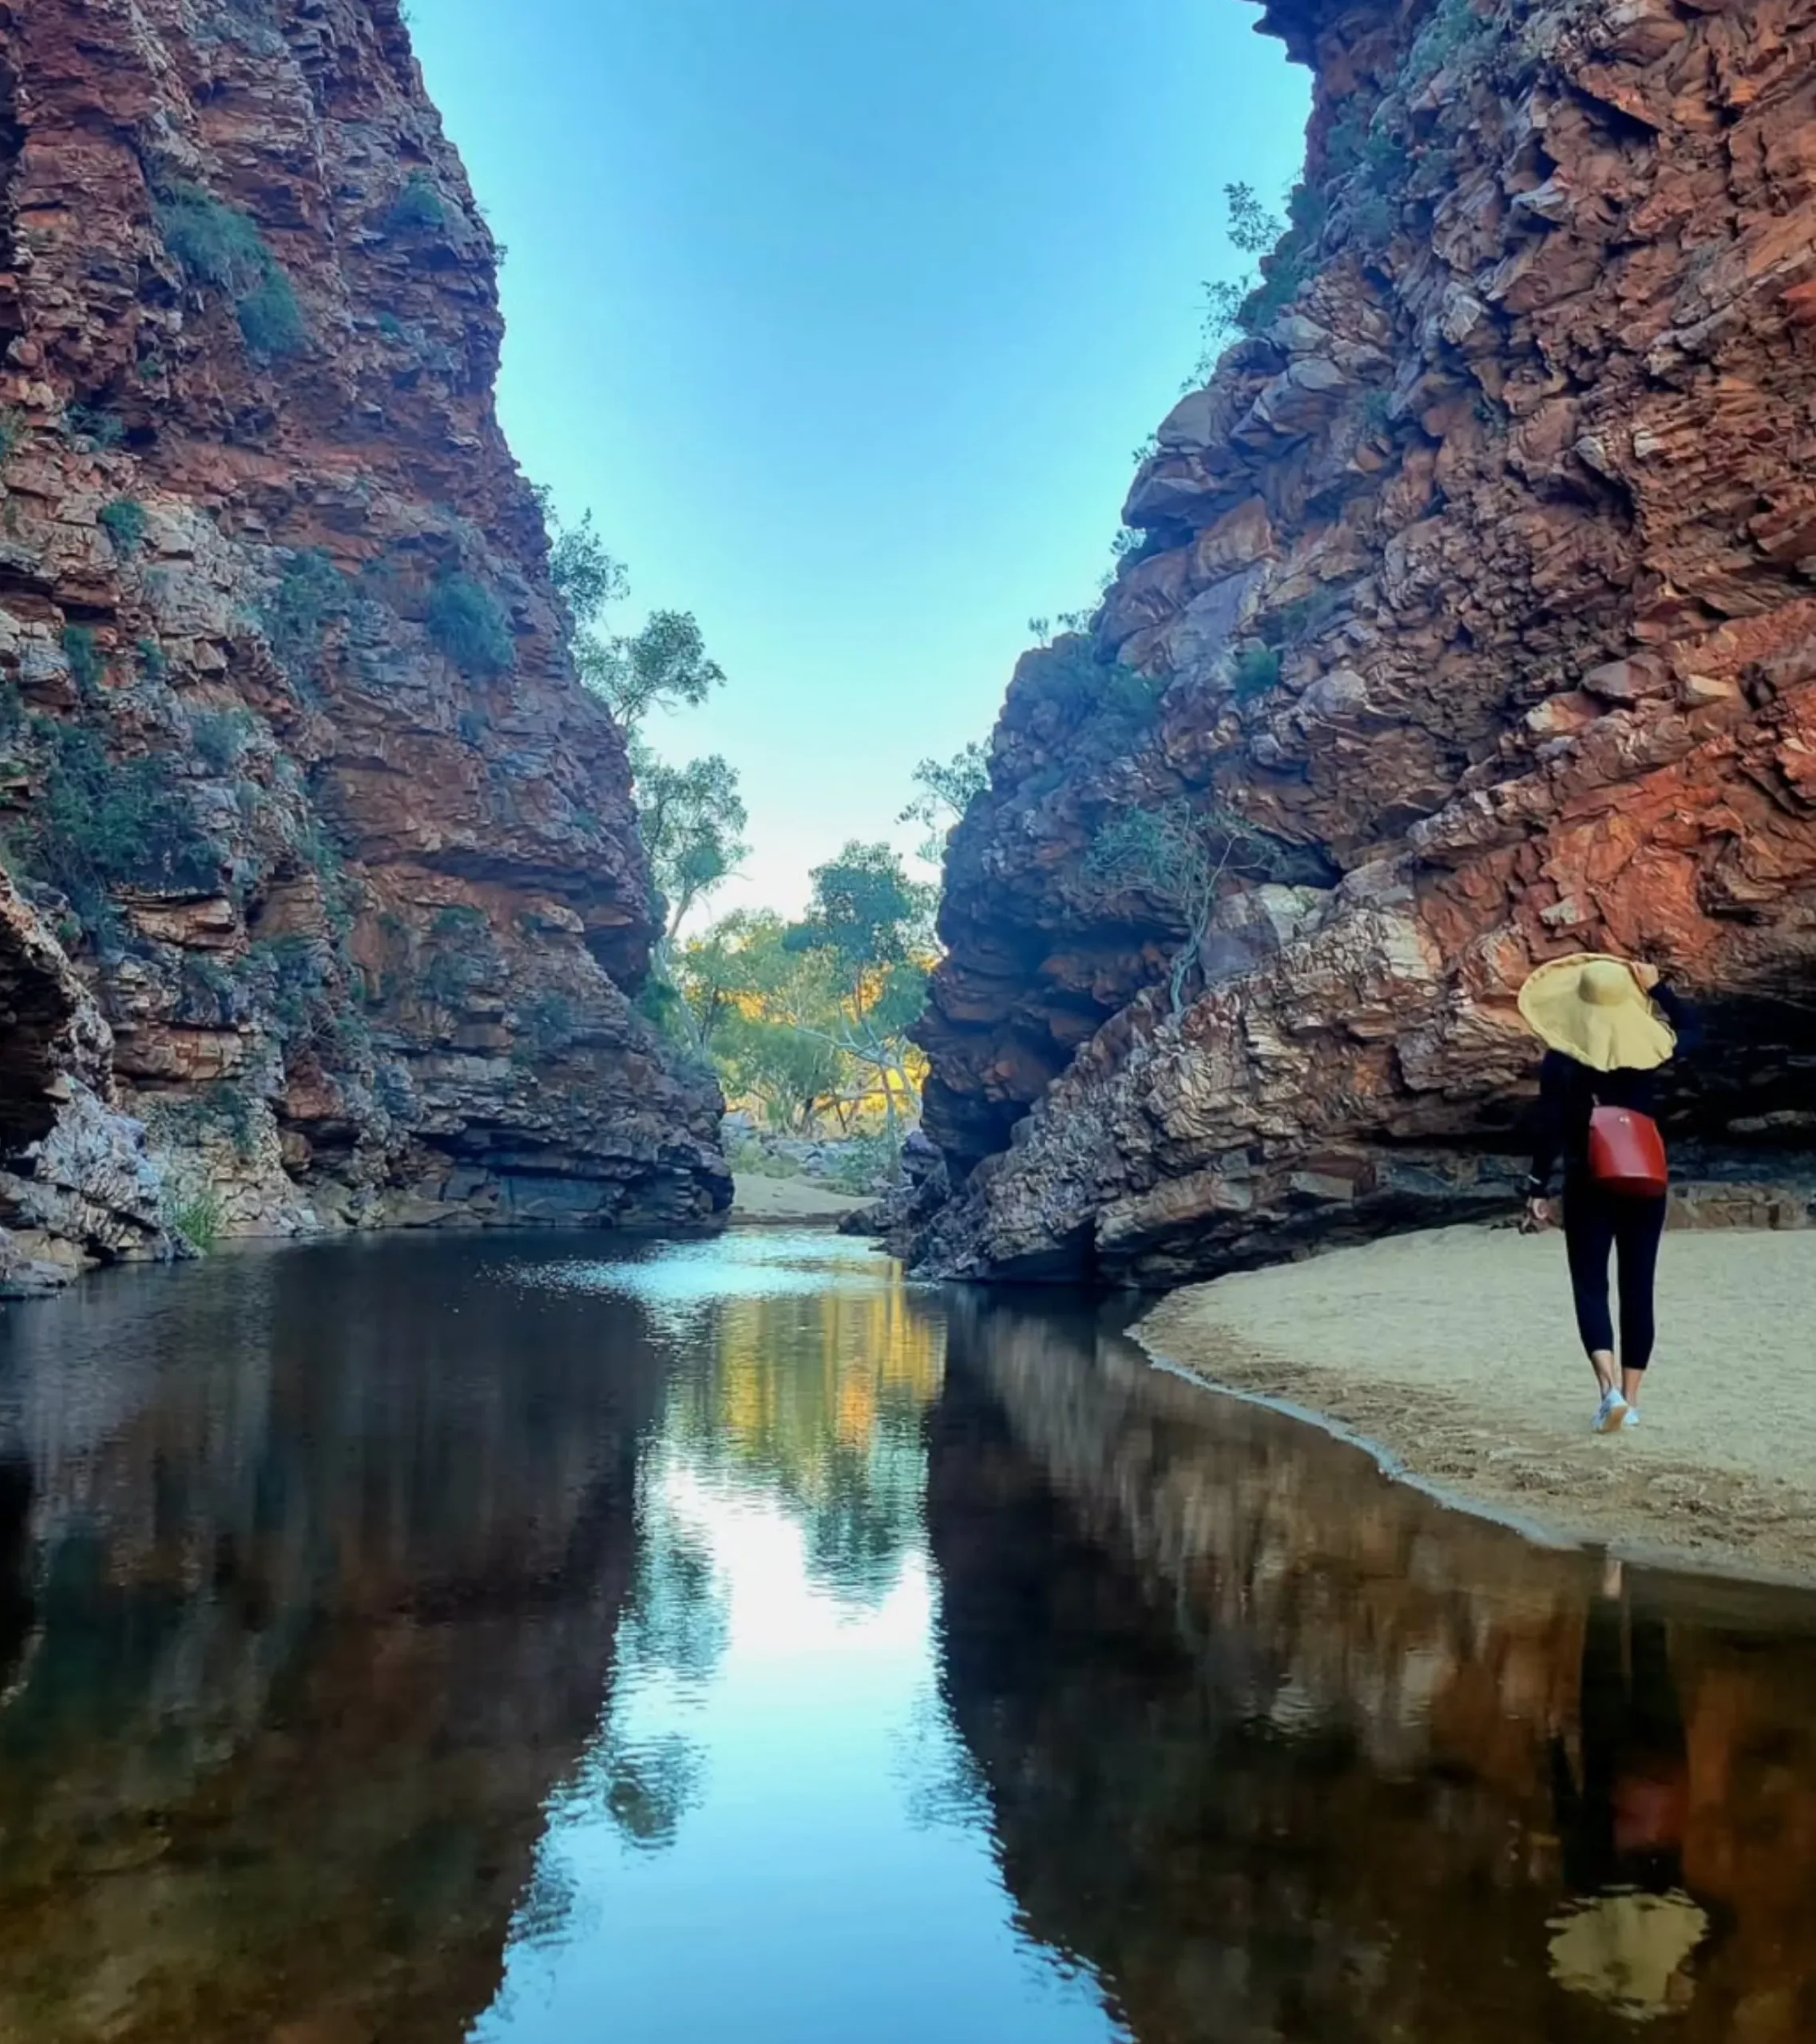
[{"x": 1538, "y": 1528}]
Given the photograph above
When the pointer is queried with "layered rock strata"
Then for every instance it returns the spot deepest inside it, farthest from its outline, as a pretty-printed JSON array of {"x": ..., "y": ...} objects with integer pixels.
[
  {"x": 297, "y": 772},
  {"x": 1473, "y": 618}
]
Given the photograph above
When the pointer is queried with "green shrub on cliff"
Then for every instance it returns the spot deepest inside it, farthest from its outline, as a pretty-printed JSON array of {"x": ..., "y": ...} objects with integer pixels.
[
  {"x": 219, "y": 247},
  {"x": 552, "y": 1022},
  {"x": 271, "y": 320},
  {"x": 198, "y": 1217},
  {"x": 297, "y": 978},
  {"x": 310, "y": 595},
  {"x": 82, "y": 650},
  {"x": 450, "y": 976},
  {"x": 465, "y": 621},
  {"x": 1287, "y": 269},
  {"x": 189, "y": 1120},
  {"x": 1245, "y": 305},
  {"x": 1106, "y": 705},
  {"x": 213, "y": 241},
  {"x": 419, "y": 208},
  {"x": 125, "y": 522},
  {"x": 93, "y": 428},
  {"x": 210, "y": 997},
  {"x": 1255, "y": 672},
  {"x": 220, "y": 737},
  {"x": 1303, "y": 619},
  {"x": 1453, "y": 25},
  {"x": 1183, "y": 858},
  {"x": 947, "y": 789},
  {"x": 102, "y": 824}
]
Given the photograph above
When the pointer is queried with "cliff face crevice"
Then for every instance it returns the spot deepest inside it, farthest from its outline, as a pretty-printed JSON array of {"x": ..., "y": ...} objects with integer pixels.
[
  {"x": 1476, "y": 605},
  {"x": 296, "y": 768}
]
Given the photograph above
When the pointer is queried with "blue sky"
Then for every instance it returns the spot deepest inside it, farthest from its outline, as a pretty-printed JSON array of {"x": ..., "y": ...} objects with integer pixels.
[{"x": 845, "y": 320}]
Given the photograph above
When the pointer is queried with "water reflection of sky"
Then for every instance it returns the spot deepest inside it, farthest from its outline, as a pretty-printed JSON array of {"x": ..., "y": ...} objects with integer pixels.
[
  {"x": 382, "y": 1622},
  {"x": 776, "y": 1829},
  {"x": 687, "y": 1281}
]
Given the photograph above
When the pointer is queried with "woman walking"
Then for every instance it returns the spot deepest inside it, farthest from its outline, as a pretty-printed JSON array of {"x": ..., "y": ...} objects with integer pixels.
[{"x": 1607, "y": 1027}]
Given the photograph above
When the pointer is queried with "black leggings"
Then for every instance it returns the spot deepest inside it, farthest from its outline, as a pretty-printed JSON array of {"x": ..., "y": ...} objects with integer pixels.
[{"x": 1594, "y": 1223}]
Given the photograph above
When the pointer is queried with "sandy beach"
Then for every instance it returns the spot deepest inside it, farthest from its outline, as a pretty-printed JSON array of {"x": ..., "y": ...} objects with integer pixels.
[
  {"x": 764, "y": 1201},
  {"x": 1454, "y": 1353}
]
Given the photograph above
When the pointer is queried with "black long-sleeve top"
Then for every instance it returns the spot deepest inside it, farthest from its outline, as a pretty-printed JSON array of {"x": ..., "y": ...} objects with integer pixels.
[{"x": 1569, "y": 1093}]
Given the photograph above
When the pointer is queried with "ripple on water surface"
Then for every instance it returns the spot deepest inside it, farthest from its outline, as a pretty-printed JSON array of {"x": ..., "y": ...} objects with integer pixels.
[{"x": 547, "y": 1642}]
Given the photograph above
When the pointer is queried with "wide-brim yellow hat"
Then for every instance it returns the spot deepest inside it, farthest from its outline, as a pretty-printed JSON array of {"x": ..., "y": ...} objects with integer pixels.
[
  {"x": 1628, "y": 1950},
  {"x": 1593, "y": 1009}
]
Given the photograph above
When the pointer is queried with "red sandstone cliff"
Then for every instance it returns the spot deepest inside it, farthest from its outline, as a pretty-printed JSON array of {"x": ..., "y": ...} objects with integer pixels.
[
  {"x": 1481, "y": 581},
  {"x": 297, "y": 768}
]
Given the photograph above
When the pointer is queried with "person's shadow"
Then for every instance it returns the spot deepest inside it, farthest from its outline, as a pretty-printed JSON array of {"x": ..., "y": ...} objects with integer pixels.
[{"x": 1630, "y": 1930}]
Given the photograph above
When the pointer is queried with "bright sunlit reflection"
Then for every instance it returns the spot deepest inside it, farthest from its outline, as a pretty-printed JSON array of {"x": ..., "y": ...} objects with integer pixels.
[{"x": 776, "y": 1833}]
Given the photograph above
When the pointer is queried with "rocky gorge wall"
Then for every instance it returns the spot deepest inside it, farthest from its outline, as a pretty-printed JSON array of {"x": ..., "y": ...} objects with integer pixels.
[
  {"x": 1473, "y": 615},
  {"x": 324, "y": 867}
]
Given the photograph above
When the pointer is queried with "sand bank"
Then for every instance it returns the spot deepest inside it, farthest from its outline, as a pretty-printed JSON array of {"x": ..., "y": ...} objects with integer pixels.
[
  {"x": 759, "y": 1199},
  {"x": 1455, "y": 1352}
]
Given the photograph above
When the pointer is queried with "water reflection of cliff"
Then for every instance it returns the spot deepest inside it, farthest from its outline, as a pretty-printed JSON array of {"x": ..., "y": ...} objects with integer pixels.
[
  {"x": 322, "y": 1609},
  {"x": 1277, "y": 1747}
]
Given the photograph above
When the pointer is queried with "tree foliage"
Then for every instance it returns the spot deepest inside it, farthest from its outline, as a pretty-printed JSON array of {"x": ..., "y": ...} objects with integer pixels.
[
  {"x": 742, "y": 989},
  {"x": 663, "y": 666},
  {"x": 586, "y": 577},
  {"x": 946, "y": 788},
  {"x": 1181, "y": 857},
  {"x": 1253, "y": 230},
  {"x": 692, "y": 818},
  {"x": 868, "y": 936},
  {"x": 865, "y": 909},
  {"x": 810, "y": 1020}
]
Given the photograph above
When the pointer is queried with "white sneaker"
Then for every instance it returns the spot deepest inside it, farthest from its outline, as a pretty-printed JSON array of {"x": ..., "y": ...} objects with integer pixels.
[
  {"x": 1611, "y": 1415},
  {"x": 1631, "y": 1421}
]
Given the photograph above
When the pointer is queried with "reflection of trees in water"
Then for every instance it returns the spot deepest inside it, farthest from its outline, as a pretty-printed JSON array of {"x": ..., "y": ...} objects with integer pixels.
[
  {"x": 670, "y": 1640},
  {"x": 647, "y": 1786},
  {"x": 820, "y": 1398},
  {"x": 674, "y": 1623},
  {"x": 1269, "y": 1742}
]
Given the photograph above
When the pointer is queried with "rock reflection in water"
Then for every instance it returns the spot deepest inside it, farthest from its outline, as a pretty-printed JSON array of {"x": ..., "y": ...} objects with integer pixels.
[
  {"x": 417, "y": 1642},
  {"x": 323, "y": 1612},
  {"x": 1285, "y": 1752}
]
